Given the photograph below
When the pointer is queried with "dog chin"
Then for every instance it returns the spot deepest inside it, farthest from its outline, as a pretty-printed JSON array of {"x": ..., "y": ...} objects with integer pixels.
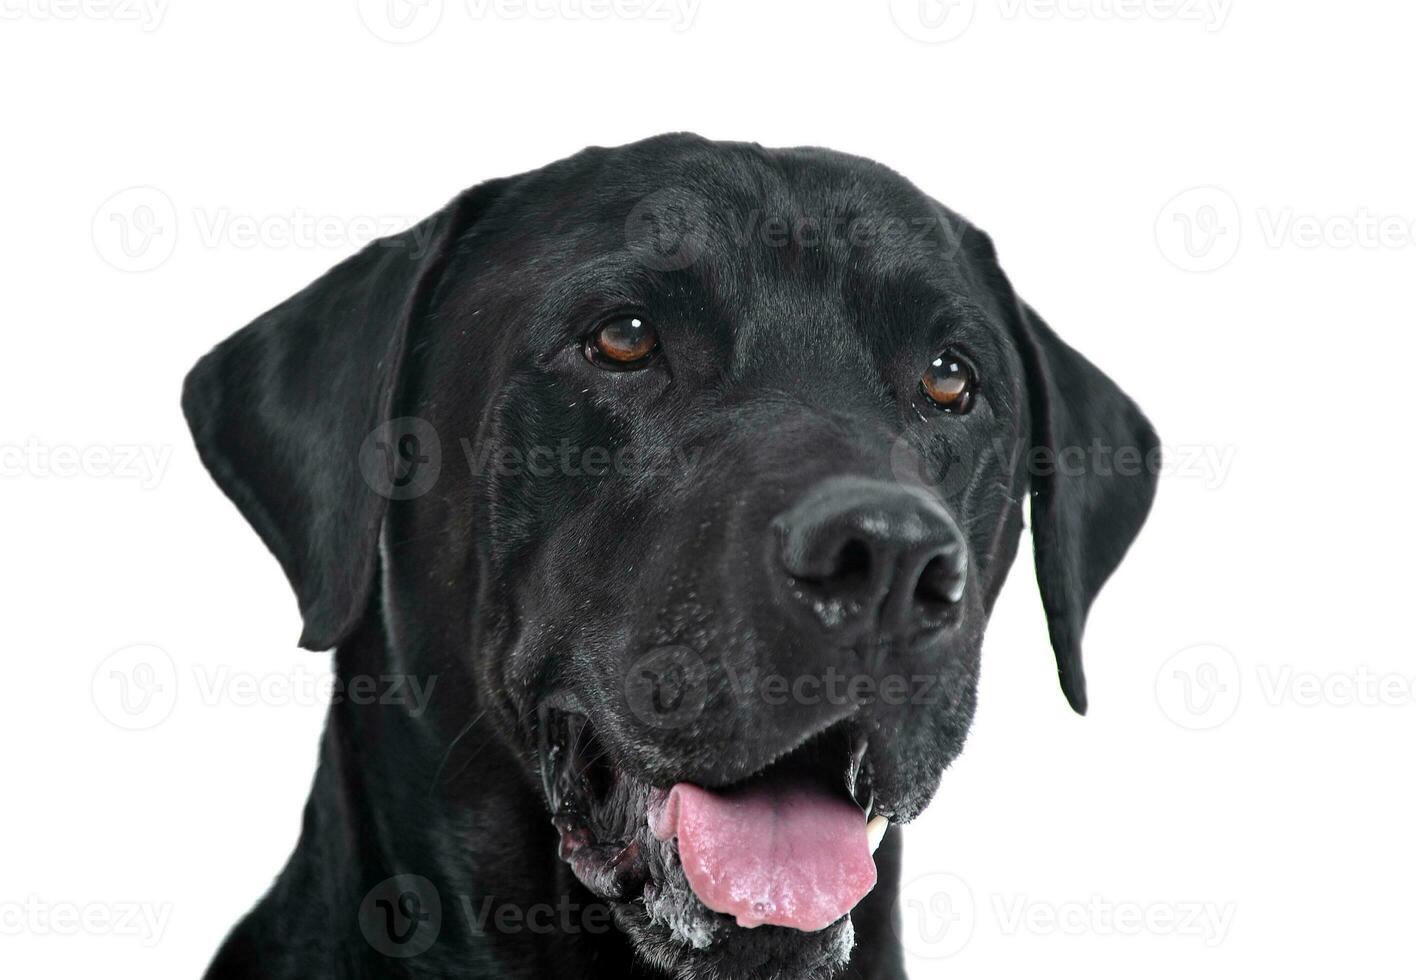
[
  {"x": 673, "y": 932},
  {"x": 602, "y": 814}
]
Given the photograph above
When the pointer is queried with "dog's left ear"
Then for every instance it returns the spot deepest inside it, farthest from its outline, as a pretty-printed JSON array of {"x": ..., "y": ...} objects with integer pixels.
[
  {"x": 280, "y": 410},
  {"x": 1093, "y": 470}
]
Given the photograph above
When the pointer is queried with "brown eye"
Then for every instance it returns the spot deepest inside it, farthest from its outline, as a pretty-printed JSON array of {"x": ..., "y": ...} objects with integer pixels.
[
  {"x": 624, "y": 343},
  {"x": 950, "y": 383}
]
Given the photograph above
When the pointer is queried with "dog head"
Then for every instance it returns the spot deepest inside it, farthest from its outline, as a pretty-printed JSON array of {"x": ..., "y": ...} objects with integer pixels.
[{"x": 705, "y": 462}]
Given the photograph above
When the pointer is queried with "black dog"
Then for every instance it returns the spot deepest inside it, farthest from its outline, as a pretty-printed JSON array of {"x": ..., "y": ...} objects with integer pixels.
[{"x": 682, "y": 478}]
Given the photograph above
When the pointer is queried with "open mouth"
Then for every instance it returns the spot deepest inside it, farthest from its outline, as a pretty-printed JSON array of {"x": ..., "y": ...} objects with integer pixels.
[{"x": 790, "y": 846}]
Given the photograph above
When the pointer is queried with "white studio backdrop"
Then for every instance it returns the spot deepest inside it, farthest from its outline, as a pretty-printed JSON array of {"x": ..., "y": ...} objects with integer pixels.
[{"x": 1210, "y": 198}]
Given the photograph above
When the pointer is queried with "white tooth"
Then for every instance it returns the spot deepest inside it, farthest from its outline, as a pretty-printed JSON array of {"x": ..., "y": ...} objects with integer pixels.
[{"x": 875, "y": 831}]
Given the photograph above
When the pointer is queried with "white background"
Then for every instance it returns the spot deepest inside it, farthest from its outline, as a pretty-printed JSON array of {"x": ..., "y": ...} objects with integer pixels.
[{"x": 1257, "y": 822}]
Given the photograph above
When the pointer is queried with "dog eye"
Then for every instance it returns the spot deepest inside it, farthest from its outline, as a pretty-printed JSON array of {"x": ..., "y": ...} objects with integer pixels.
[
  {"x": 950, "y": 383},
  {"x": 624, "y": 343}
]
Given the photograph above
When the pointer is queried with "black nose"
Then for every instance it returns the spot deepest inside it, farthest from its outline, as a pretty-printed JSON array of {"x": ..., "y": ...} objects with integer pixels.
[{"x": 867, "y": 556}]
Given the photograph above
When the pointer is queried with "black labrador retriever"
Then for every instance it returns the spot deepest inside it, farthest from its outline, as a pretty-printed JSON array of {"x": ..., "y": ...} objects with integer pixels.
[{"x": 681, "y": 477}]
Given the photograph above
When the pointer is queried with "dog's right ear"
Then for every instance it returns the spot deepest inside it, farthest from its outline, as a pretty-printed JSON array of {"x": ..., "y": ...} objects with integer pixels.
[{"x": 280, "y": 409}]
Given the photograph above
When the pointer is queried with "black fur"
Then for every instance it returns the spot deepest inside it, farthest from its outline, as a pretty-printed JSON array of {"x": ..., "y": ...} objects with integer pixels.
[{"x": 799, "y": 295}]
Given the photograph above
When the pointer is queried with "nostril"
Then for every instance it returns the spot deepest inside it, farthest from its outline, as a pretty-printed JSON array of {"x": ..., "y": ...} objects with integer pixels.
[
  {"x": 852, "y": 567},
  {"x": 941, "y": 582}
]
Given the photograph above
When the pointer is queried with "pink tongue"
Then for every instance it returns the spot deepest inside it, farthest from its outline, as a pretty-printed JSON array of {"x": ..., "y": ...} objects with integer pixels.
[{"x": 776, "y": 852}]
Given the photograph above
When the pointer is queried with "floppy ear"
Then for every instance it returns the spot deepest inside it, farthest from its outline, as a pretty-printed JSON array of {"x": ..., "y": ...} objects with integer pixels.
[
  {"x": 1093, "y": 467},
  {"x": 280, "y": 409}
]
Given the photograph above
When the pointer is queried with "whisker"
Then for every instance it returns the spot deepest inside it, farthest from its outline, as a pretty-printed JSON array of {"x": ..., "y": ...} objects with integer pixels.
[{"x": 452, "y": 745}]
